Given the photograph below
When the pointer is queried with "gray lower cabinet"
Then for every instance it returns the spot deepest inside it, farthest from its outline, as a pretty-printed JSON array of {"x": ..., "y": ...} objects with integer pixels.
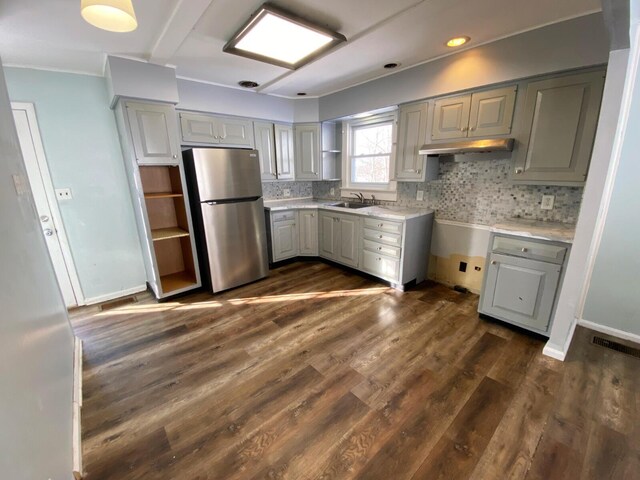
[
  {"x": 308, "y": 232},
  {"x": 154, "y": 133},
  {"x": 557, "y": 129},
  {"x": 284, "y": 235},
  {"x": 339, "y": 237},
  {"x": 522, "y": 280}
]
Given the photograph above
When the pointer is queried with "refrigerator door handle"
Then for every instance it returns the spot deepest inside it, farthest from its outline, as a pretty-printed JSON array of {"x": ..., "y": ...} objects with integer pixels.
[{"x": 231, "y": 200}]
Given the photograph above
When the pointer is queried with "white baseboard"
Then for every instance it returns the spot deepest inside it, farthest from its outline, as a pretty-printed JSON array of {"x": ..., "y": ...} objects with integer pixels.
[
  {"x": 113, "y": 296},
  {"x": 77, "y": 407},
  {"x": 614, "y": 332},
  {"x": 551, "y": 350}
]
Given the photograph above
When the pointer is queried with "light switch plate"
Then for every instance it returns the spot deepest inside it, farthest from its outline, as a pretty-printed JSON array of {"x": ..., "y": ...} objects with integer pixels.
[
  {"x": 286, "y": 192},
  {"x": 547, "y": 202},
  {"x": 63, "y": 194},
  {"x": 420, "y": 195}
]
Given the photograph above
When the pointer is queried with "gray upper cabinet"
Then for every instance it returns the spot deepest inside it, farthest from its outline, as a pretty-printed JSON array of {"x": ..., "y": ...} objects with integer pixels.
[
  {"x": 492, "y": 112},
  {"x": 264, "y": 141},
  {"x": 559, "y": 121},
  {"x": 480, "y": 114},
  {"x": 412, "y": 132},
  {"x": 284, "y": 152},
  {"x": 209, "y": 129},
  {"x": 451, "y": 117},
  {"x": 154, "y": 133},
  {"x": 307, "y": 156}
]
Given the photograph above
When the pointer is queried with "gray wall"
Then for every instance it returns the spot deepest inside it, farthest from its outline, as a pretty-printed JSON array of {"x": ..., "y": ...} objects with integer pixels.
[
  {"x": 572, "y": 287},
  {"x": 567, "y": 45},
  {"x": 612, "y": 299},
  {"x": 36, "y": 344},
  {"x": 83, "y": 152}
]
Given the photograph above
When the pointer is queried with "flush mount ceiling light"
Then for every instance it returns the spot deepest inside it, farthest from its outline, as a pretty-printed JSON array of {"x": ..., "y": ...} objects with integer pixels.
[
  {"x": 112, "y": 15},
  {"x": 457, "y": 41},
  {"x": 278, "y": 37}
]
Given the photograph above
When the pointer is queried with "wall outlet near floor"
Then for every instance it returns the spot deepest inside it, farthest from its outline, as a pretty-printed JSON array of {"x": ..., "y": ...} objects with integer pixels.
[
  {"x": 547, "y": 202},
  {"x": 286, "y": 192},
  {"x": 332, "y": 192},
  {"x": 63, "y": 194},
  {"x": 420, "y": 195}
]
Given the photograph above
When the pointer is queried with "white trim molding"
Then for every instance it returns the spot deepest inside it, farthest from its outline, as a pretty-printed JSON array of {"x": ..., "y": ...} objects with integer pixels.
[
  {"x": 560, "y": 353},
  {"x": 77, "y": 408},
  {"x": 614, "y": 332},
  {"x": 114, "y": 295}
]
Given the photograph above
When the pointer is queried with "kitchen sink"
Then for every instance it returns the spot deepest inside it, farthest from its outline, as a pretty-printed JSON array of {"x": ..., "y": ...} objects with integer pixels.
[{"x": 353, "y": 205}]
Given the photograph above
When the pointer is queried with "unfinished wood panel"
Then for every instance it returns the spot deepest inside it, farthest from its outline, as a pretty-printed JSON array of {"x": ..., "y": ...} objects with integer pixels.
[{"x": 169, "y": 256}]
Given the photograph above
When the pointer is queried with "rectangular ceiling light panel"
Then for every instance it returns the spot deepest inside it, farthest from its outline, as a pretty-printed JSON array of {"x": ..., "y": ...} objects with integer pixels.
[{"x": 274, "y": 36}]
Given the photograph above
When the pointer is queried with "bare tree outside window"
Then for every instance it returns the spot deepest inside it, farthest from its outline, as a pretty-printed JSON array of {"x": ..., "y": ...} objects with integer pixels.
[{"x": 371, "y": 153}]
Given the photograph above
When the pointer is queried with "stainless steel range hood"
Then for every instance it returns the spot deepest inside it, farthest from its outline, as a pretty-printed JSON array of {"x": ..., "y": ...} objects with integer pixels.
[{"x": 479, "y": 145}]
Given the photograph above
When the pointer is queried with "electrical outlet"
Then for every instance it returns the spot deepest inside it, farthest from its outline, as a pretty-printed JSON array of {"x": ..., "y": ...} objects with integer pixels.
[
  {"x": 63, "y": 193},
  {"x": 547, "y": 202},
  {"x": 420, "y": 195},
  {"x": 286, "y": 192},
  {"x": 332, "y": 192}
]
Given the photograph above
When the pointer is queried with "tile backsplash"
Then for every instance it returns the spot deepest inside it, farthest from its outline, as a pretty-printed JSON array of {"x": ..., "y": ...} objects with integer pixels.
[
  {"x": 275, "y": 190},
  {"x": 478, "y": 191}
]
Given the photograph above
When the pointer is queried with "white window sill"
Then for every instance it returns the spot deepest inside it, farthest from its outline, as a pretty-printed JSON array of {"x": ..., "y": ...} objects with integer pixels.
[{"x": 386, "y": 195}]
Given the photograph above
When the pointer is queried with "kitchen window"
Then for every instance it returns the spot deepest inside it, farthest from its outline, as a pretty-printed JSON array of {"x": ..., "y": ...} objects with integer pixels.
[{"x": 369, "y": 156}]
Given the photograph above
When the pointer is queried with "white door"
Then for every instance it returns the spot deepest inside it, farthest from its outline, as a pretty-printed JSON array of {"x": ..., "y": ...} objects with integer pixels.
[{"x": 44, "y": 197}]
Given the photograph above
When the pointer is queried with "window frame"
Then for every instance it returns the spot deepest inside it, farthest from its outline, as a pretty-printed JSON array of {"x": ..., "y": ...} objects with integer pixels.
[{"x": 382, "y": 191}]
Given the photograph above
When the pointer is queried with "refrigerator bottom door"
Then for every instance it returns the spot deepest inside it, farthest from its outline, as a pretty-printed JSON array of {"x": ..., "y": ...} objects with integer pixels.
[{"x": 236, "y": 241}]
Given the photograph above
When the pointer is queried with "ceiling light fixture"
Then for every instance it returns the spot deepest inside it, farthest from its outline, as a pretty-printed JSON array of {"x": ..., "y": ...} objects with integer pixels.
[
  {"x": 112, "y": 15},
  {"x": 278, "y": 37},
  {"x": 457, "y": 41}
]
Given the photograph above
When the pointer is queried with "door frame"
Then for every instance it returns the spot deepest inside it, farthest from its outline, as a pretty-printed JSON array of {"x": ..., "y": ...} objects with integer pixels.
[{"x": 43, "y": 167}]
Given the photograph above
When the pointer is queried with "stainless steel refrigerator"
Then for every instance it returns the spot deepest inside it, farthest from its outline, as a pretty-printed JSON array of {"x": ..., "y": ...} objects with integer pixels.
[{"x": 225, "y": 192}]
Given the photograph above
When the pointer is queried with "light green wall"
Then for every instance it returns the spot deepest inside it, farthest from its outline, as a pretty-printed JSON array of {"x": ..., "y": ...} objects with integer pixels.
[{"x": 83, "y": 152}]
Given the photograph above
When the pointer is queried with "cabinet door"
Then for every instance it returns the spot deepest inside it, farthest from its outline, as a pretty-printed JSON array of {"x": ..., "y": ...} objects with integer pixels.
[
  {"x": 520, "y": 290},
  {"x": 199, "y": 128},
  {"x": 285, "y": 240},
  {"x": 284, "y": 152},
  {"x": 412, "y": 130},
  {"x": 348, "y": 244},
  {"x": 154, "y": 133},
  {"x": 492, "y": 112},
  {"x": 308, "y": 232},
  {"x": 235, "y": 132},
  {"x": 266, "y": 150},
  {"x": 451, "y": 117},
  {"x": 328, "y": 231},
  {"x": 307, "y": 139},
  {"x": 559, "y": 125}
]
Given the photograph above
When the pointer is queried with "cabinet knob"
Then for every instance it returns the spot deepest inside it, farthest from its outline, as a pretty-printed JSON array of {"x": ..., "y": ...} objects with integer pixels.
[
  {"x": 379, "y": 259},
  {"x": 518, "y": 170},
  {"x": 175, "y": 156},
  {"x": 380, "y": 248},
  {"x": 380, "y": 236},
  {"x": 48, "y": 232},
  {"x": 493, "y": 262},
  {"x": 381, "y": 224},
  {"x": 473, "y": 129},
  {"x": 464, "y": 129},
  {"x": 524, "y": 249},
  {"x": 313, "y": 214}
]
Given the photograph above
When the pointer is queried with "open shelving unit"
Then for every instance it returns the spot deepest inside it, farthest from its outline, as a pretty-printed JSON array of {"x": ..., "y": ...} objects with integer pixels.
[{"x": 169, "y": 225}]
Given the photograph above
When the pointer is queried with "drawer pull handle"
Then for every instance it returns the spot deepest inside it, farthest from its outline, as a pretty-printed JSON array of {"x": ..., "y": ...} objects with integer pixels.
[
  {"x": 524, "y": 249},
  {"x": 381, "y": 224},
  {"x": 380, "y": 248}
]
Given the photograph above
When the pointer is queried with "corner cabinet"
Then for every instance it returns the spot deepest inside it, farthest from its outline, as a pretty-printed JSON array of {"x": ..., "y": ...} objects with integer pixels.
[
  {"x": 153, "y": 132},
  {"x": 307, "y": 154},
  {"x": 558, "y": 127},
  {"x": 480, "y": 114},
  {"x": 198, "y": 129},
  {"x": 159, "y": 193}
]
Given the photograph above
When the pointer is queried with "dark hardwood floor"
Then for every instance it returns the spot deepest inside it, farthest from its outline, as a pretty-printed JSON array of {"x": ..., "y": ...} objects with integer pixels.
[{"x": 318, "y": 373}]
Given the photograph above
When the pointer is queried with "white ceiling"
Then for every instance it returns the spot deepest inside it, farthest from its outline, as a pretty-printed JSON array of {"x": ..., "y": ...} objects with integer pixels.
[{"x": 190, "y": 34}]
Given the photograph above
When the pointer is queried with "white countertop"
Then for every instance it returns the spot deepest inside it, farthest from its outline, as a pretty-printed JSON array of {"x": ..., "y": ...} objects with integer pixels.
[
  {"x": 553, "y": 231},
  {"x": 380, "y": 211}
]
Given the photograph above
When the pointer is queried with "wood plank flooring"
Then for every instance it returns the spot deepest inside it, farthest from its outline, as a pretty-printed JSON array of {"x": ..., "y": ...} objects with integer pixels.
[{"x": 319, "y": 373}]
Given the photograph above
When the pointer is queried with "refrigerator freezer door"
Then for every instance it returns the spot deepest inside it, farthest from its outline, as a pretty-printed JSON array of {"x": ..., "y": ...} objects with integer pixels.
[
  {"x": 226, "y": 174},
  {"x": 236, "y": 243}
]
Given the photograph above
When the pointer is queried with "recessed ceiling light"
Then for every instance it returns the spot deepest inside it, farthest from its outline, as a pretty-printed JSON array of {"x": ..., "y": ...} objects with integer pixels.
[
  {"x": 112, "y": 15},
  {"x": 248, "y": 84},
  {"x": 391, "y": 65},
  {"x": 275, "y": 36},
  {"x": 301, "y": 94},
  {"x": 457, "y": 41}
]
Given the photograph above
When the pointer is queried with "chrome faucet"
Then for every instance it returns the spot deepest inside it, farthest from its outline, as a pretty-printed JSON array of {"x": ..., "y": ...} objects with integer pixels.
[
  {"x": 373, "y": 199},
  {"x": 359, "y": 196}
]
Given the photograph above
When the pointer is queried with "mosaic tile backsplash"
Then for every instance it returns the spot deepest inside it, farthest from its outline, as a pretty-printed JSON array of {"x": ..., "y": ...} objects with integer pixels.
[
  {"x": 275, "y": 190},
  {"x": 479, "y": 191}
]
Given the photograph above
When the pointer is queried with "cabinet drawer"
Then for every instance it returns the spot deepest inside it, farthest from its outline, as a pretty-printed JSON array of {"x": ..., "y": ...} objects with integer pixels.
[
  {"x": 380, "y": 265},
  {"x": 383, "y": 237},
  {"x": 384, "y": 225},
  {"x": 528, "y": 249},
  {"x": 283, "y": 216},
  {"x": 382, "y": 248}
]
